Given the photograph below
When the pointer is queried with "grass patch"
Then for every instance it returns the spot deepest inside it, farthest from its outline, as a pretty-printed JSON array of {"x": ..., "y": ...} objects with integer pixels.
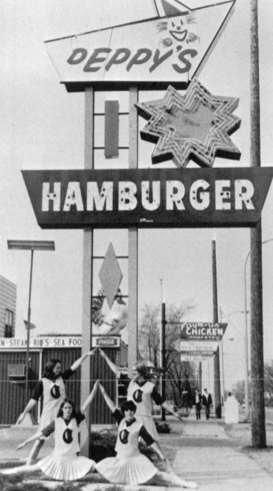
[
  {"x": 102, "y": 445},
  {"x": 14, "y": 483},
  {"x": 18, "y": 483},
  {"x": 162, "y": 427}
]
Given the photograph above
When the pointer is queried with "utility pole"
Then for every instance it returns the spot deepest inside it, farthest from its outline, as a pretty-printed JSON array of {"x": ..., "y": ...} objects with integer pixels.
[
  {"x": 217, "y": 386},
  {"x": 258, "y": 432},
  {"x": 163, "y": 354},
  {"x": 28, "y": 323}
]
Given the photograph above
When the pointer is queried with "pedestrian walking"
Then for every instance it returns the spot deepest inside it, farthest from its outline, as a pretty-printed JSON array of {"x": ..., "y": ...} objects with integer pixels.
[
  {"x": 186, "y": 395},
  {"x": 142, "y": 391},
  {"x": 207, "y": 402},
  {"x": 130, "y": 466},
  {"x": 198, "y": 404},
  {"x": 64, "y": 463},
  {"x": 51, "y": 389}
]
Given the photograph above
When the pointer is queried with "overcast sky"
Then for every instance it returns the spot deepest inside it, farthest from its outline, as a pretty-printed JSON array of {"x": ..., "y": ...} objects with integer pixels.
[{"x": 41, "y": 127}]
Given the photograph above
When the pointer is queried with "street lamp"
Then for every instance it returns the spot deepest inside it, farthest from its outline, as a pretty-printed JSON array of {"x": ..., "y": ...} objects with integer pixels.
[
  {"x": 31, "y": 245},
  {"x": 246, "y": 332}
]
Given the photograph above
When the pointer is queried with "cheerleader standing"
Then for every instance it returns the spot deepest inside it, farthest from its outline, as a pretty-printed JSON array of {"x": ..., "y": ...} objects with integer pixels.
[
  {"x": 130, "y": 466},
  {"x": 143, "y": 392},
  {"x": 51, "y": 388},
  {"x": 64, "y": 463}
]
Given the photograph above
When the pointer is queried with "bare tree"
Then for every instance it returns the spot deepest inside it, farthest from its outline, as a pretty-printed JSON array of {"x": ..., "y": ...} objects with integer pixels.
[
  {"x": 177, "y": 373},
  {"x": 149, "y": 334}
]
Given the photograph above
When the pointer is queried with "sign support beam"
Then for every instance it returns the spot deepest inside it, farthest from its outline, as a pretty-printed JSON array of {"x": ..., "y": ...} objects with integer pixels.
[
  {"x": 133, "y": 241},
  {"x": 87, "y": 274}
]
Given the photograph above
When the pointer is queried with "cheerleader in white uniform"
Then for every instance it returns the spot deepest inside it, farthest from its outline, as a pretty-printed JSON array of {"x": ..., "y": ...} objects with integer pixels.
[
  {"x": 130, "y": 466},
  {"x": 51, "y": 388},
  {"x": 143, "y": 392},
  {"x": 64, "y": 463}
]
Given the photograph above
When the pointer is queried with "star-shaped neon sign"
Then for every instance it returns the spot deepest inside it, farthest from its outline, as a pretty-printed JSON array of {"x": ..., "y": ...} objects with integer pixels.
[{"x": 193, "y": 126}]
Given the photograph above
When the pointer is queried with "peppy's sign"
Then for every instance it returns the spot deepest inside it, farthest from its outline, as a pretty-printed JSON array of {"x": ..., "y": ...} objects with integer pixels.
[
  {"x": 162, "y": 50},
  {"x": 196, "y": 125}
]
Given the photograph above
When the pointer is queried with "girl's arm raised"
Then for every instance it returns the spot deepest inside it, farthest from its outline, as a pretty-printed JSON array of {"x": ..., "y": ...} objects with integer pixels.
[
  {"x": 79, "y": 361},
  {"x": 90, "y": 398},
  {"x": 108, "y": 400}
]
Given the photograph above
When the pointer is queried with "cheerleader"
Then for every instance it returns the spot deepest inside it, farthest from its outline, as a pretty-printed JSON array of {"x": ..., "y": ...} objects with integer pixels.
[
  {"x": 130, "y": 466},
  {"x": 51, "y": 388},
  {"x": 143, "y": 392},
  {"x": 64, "y": 463}
]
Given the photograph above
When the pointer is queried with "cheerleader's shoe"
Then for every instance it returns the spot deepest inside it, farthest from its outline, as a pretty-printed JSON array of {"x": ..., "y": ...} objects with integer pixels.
[{"x": 189, "y": 484}]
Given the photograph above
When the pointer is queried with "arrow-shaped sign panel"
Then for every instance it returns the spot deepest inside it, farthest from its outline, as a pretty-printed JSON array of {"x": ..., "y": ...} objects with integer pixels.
[
  {"x": 231, "y": 197},
  {"x": 203, "y": 331},
  {"x": 163, "y": 50}
]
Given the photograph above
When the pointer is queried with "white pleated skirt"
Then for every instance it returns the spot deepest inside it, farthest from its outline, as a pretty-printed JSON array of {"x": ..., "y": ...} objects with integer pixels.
[
  {"x": 66, "y": 468},
  {"x": 131, "y": 470}
]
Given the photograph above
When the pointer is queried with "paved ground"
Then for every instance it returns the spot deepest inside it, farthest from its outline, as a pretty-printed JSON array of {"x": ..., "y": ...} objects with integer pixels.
[
  {"x": 215, "y": 462},
  {"x": 199, "y": 451}
]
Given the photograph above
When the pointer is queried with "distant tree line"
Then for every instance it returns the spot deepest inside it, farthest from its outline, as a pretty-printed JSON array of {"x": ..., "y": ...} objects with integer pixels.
[{"x": 180, "y": 376}]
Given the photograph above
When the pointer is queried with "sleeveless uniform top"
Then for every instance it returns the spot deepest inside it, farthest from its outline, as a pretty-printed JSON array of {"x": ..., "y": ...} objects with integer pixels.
[
  {"x": 66, "y": 437},
  {"x": 142, "y": 397},
  {"x": 53, "y": 396},
  {"x": 127, "y": 439}
]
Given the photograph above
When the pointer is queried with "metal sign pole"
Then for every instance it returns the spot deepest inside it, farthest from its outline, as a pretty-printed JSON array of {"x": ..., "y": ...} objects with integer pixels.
[
  {"x": 87, "y": 274},
  {"x": 133, "y": 241}
]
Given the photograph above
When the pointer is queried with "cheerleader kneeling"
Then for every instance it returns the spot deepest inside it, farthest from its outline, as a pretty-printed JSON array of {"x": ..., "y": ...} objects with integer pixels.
[
  {"x": 130, "y": 466},
  {"x": 64, "y": 463}
]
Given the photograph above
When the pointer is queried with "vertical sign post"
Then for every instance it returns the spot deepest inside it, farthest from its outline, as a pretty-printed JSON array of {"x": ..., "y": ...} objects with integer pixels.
[
  {"x": 87, "y": 272},
  {"x": 133, "y": 241},
  {"x": 257, "y": 362}
]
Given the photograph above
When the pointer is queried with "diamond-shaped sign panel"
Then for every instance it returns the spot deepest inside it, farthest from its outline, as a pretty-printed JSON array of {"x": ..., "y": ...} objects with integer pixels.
[{"x": 110, "y": 275}]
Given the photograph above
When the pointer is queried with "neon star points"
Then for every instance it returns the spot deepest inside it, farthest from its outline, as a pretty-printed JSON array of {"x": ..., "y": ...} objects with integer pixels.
[{"x": 194, "y": 126}]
